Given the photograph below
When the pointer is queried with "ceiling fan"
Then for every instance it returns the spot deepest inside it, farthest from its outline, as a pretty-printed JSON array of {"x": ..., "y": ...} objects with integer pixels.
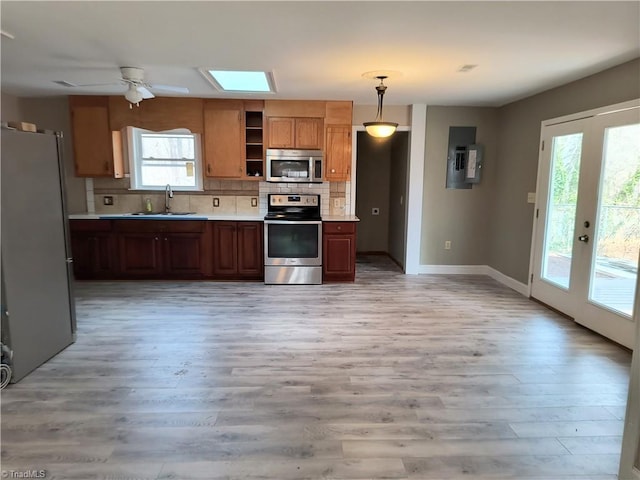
[{"x": 137, "y": 88}]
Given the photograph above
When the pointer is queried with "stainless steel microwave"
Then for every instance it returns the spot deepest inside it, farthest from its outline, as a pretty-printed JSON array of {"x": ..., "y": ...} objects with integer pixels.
[{"x": 294, "y": 166}]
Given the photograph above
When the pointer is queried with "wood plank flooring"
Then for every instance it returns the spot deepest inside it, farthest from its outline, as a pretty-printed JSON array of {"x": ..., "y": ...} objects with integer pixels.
[{"x": 392, "y": 377}]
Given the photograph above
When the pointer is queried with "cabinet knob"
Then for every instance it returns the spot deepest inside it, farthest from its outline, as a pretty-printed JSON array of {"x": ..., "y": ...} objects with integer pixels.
[
  {"x": 208, "y": 168},
  {"x": 156, "y": 239},
  {"x": 333, "y": 170},
  {"x": 339, "y": 227}
]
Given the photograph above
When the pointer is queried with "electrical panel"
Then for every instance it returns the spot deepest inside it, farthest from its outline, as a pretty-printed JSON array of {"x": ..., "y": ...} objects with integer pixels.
[
  {"x": 465, "y": 159},
  {"x": 459, "y": 139}
]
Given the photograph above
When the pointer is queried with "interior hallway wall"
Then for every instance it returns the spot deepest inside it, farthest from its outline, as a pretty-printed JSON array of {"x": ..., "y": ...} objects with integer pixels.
[{"x": 398, "y": 196}]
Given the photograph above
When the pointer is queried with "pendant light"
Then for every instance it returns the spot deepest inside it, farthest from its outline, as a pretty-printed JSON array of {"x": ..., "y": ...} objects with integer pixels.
[{"x": 379, "y": 128}]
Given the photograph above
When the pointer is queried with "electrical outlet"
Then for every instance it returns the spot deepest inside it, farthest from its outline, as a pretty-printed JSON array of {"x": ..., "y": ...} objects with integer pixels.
[
  {"x": 375, "y": 211},
  {"x": 336, "y": 202},
  {"x": 254, "y": 202},
  {"x": 107, "y": 200},
  {"x": 447, "y": 245}
]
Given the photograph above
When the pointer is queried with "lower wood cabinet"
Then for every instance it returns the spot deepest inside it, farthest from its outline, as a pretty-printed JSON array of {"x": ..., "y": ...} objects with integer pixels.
[
  {"x": 339, "y": 251},
  {"x": 161, "y": 248},
  {"x": 238, "y": 250},
  {"x": 157, "y": 249},
  {"x": 93, "y": 249}
]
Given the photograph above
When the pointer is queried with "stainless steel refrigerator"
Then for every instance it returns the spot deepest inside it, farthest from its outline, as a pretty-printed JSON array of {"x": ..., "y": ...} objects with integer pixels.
[{"x": 38, "y": 312}]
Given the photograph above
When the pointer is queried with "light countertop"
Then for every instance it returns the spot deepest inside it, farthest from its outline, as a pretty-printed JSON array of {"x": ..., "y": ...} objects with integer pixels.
[{"x": 195, "y": 216}]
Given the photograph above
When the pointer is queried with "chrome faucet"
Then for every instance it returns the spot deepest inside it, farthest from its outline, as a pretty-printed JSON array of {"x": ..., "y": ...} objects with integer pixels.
[{"x": 168, "y": 193}]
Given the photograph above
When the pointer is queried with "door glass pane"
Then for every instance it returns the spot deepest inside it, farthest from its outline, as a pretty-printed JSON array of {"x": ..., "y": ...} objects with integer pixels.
[
  {"x": 613, "y": 276},
  {"x": 561, "y": 211}
]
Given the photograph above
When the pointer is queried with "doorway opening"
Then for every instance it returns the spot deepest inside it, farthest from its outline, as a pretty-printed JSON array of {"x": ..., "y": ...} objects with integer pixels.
[{"x": 381, "y": 194}]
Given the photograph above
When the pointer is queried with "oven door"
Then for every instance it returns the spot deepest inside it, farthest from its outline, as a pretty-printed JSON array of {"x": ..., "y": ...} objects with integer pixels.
[{"x": 294, "y": 243}]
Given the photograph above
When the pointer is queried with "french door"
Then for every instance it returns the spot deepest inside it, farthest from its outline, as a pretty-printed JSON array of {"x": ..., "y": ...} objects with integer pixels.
[{"x": 587, "y": 233}]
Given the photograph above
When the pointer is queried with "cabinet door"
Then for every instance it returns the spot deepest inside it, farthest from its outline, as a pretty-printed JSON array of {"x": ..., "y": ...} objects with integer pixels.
[
  {"x": 250, "y": 249},
  {"x": 281, "y": 132},
  {"x": 223, "y": 141},
  {"x": 339, "y": 251},
  {"x": 308, "y": 133},
  {"x": 183, "y": 254},
  {"x": 93, "y": 255},
  {"x": 338, "y": 153},
  {"x": 140, "y": 254},
  {"x": 92, "y": 141},
  {"x": 225, "y": 249}
]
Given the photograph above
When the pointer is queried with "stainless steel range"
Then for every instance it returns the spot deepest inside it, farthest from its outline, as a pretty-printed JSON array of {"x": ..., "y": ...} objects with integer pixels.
[{"x": 293, "y": 240}]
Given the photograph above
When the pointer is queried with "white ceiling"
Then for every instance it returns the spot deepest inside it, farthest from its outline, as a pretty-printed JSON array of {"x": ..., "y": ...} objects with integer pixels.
[{"x": 319, "y": 50}]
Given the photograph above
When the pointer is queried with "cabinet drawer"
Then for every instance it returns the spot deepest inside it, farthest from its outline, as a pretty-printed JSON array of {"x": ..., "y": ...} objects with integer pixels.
[
  {"x": 171, "y": 226},
  {"x": 339, "y": 227},
  {"x": 90, "y": 225}
]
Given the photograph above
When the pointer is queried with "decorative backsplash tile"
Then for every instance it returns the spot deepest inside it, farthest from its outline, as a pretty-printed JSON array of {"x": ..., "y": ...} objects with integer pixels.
[{"x": 239, "y": 197}]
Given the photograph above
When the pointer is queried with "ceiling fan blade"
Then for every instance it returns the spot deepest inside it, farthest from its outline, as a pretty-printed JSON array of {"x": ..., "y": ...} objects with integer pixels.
[
  {"x": 170, "y": 88},
  {"x": 71, "y": 84},
  {"x": 146, "y": 94}
]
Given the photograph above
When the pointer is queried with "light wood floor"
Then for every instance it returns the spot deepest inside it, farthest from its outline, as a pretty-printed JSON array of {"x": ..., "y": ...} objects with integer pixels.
[{"x": 403, "y": 377}]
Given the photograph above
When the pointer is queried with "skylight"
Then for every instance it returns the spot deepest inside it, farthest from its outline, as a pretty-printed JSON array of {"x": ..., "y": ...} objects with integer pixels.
[{"x": 241, "y": 81}]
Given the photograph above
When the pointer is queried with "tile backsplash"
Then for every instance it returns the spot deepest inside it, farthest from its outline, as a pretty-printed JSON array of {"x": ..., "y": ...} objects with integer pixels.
[
  {"x": 210, "y": 204},
  {"x": 223, "y": 197}
]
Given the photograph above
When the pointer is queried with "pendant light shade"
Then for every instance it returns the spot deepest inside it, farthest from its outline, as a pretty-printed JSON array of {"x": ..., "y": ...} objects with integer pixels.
[{"x": 379, "y": 128}]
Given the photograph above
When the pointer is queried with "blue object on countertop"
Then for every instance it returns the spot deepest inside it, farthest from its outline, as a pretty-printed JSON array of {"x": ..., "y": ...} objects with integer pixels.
[{"x": 154, "y": 216}]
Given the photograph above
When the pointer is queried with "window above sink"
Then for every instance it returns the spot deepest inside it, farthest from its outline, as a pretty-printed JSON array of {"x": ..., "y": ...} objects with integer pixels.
[{"x": 160, "y": 158}]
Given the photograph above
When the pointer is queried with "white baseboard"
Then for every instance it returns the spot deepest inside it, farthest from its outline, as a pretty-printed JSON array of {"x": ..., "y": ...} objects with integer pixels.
[
  {"x": 513, "y": 284},
  {"x": 453, "y": 269},
  {"x": 507, "y": 281}
]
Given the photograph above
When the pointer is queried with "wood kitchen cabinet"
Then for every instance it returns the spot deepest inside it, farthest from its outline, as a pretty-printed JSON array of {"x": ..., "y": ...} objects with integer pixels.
[
  {"x": 237, "y": 250},
  {"x": 161, "y": 248},
  {"x": 339, "y": 251},
  {"x": 338, "y": 153},
  {"x": 233, "y": 139},
  {"x": 287, "y": 132},
  {"x": 93, "y": 141},
  {"x": 93, "y": 249},
  {"x": 224, "y": 148}
]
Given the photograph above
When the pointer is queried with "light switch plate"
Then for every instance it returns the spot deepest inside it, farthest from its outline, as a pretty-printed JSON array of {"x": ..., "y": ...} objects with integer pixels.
[
  {"x": 531, "y": 197},
  {"x": 216, "y": 202}
]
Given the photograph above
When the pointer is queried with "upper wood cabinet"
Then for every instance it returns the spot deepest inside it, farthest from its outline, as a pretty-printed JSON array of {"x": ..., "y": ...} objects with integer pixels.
[
  {"x": 286, "y": 132},
  {"x": 233, "y": 139},
  {"x": 224, "y": 139},
  {"x": 338, "y": 153},
  {"x": 93, "y": 148}
]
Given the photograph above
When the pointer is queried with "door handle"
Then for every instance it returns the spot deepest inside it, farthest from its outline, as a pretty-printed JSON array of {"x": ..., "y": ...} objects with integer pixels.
[{"x": 584, "y": 238}]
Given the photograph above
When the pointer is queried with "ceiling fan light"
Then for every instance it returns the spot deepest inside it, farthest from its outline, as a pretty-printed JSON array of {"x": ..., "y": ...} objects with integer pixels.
[
  {"x": 380, "y": 129},
  {"x": 133, "y": 95}
]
